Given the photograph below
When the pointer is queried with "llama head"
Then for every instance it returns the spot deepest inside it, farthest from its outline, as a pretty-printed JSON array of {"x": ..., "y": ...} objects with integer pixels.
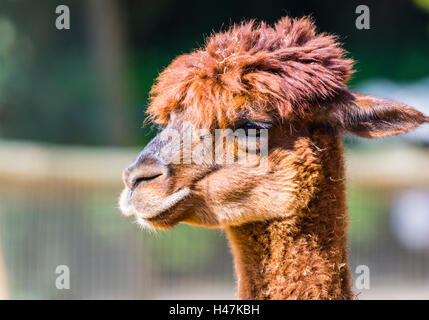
[{"x": 239, "y": 118}]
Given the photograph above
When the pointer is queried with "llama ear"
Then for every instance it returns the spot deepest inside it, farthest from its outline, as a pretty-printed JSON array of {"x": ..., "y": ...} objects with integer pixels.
[{"x": 372, "y": 117}]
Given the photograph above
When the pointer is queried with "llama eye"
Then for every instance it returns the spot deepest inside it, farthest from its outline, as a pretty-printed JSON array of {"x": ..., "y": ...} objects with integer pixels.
[{"x": 255, "y": 126}]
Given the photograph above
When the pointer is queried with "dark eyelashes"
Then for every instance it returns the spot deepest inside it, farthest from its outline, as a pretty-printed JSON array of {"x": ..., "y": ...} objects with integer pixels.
[
  {"x": 254, "y": 125},
  {"x": 263, "y": 125}
]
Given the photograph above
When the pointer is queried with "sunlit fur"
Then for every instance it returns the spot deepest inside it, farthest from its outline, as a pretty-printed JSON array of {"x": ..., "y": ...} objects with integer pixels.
[
  {"x": 286, "y": 225},
  {"x": 251, "y": 69}
]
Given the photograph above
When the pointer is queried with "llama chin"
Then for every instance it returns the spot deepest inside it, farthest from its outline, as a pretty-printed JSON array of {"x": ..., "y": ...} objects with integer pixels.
[
  {"x": 154, "y": 210},
  {"x": 166, "y": 204}
]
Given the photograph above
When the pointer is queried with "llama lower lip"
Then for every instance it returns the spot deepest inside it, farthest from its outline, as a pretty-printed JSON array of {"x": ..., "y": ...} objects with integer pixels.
[{"x": 166, "y": 204}]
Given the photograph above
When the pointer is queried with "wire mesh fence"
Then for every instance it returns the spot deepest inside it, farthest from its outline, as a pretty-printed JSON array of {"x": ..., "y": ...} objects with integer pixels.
[{"x": 58, "y": 206}]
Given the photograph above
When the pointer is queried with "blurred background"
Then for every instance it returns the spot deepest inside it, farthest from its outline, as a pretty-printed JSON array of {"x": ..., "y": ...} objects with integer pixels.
[{"x": 72, "y": 104}]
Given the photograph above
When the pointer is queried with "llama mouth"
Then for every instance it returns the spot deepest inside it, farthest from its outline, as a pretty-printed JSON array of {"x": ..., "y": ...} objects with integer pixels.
[{"x": 165, "y": 205}]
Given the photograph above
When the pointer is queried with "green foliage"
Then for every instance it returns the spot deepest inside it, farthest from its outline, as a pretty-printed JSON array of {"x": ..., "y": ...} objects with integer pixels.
[
  {"x": 366, "y": 210},
  {"x": 423, "y": 4},
  {"x": 185, "y": 247}
]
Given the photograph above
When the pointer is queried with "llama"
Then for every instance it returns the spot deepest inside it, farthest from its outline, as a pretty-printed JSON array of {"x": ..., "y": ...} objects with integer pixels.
[{"x": 287, "y": 223}]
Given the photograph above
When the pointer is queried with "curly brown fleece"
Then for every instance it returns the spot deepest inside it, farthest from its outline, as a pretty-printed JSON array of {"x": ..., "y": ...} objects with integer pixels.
[{"x": 252, "y": 67}]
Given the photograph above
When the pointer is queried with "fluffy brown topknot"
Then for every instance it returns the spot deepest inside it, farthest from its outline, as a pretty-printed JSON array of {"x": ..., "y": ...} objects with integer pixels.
[{"x": 253, "y": 70}]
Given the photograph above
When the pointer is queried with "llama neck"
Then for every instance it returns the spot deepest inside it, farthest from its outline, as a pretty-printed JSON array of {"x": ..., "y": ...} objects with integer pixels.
[{"x": 304, "y": 257}]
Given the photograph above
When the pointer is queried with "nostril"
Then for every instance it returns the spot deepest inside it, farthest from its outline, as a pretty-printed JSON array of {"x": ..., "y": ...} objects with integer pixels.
[
  {"x": 144, "y": 171},
  {"x": 139, "y": 179}
]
